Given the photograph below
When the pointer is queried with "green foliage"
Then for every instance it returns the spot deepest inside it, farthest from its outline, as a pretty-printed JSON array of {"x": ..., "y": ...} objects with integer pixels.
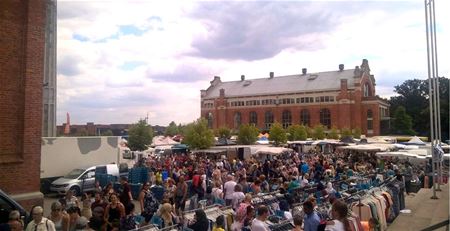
[
  {"x": 402, "y": 122},
  {"x": 345, "y": 132},
  {"x": 139, "y": 136},
  {"x": 318, "y": 132},
  {"x": 413, "y": 95},
  {"x": 172, "y": 129},
  {"x": 333, "y": 134},
  {"x": 309, "y": 132},
  {"x": 223, "y": 132},
  {"x": 357, "y": 133},
  {"x": 248, "y": 134},
  {"x": 277, "y": 134},
  {"x": 297, "y": 132},
  {"x": 107, "y": 133},
  {"x": 198, "y": 135}
]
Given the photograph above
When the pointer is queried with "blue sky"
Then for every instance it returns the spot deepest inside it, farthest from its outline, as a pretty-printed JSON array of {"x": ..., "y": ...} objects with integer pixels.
[{"x": 119, "y": 60}]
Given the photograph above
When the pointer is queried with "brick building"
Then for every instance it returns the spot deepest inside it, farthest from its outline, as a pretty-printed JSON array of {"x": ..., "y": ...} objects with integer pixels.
[
  {"x": 339, "y": 98},
  {"x": 22, "y": 38}
]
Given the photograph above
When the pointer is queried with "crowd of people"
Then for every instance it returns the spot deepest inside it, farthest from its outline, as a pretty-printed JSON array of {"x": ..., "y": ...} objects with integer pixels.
[{"x": 193, "y": 181}]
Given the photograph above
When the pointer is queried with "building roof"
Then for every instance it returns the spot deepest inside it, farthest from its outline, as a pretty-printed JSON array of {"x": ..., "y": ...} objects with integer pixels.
[{"x": 321, "y": 81}]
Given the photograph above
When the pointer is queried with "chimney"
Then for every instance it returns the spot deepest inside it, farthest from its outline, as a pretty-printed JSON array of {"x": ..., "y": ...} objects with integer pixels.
[
  {"x": 357, "y": 71},
  {"x": 202, "y": 93},
  {"x": 271, "y": 74},
  {"x": 242, "y": 77},
  {"x": 341, "y": 67},
  {"x": 222, "y": 92},
  {"x": 304, "y": 70}
]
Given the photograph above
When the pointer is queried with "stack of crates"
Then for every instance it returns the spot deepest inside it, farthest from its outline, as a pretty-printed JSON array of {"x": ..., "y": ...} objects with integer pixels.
[
  {"x": 138, "y": 175},
  {"x": 134, "y": 176}
]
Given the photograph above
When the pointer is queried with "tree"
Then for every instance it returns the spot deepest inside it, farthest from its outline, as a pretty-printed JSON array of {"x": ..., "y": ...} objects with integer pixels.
[
  {"x": 345, "y": 132},
  {"x": 402, "y": 122},
  {"x": 297, "y": 132},
  {"x": 107, "y": 133},
  {"x": 223, "y": 132},
  {"x": 248, "y": 134},
  {"x": 172, "y": 129},
  {"x": 333, "y": 134},
  {"x": 198, "y": 135},
  {"x": 277, "y": 134},
  {"x": 139, "y": 136},
  {"x": 318, "y": 132},
  {"x": 357, "y": 133},
  {"x": 413, "y": 95}
]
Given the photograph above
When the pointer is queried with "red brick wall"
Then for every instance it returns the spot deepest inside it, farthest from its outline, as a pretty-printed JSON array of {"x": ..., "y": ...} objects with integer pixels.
[{"x": 22, "y": 32}]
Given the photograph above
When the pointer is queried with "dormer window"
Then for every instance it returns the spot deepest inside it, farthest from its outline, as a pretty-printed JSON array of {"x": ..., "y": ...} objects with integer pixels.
[{"x": 366, "y": 90}]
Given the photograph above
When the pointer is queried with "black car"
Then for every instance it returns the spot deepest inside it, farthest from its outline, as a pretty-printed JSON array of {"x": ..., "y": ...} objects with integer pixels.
[{"x": 7, "y": 204}]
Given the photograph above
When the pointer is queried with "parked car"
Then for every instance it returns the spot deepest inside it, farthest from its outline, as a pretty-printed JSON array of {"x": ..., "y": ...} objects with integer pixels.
[
  {"x": 7, "y": 204},
  {"x": 83, "y": 179}
]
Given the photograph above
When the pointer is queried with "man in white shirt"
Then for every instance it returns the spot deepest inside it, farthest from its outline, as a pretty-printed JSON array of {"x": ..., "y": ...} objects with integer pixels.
[
  {"x": 39, "y": 223},
  {"x": 259, "y": 223},
  {"x": 229, "y": 189}
]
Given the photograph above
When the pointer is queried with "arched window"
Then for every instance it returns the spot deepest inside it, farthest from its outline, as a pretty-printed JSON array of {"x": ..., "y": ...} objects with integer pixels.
[
  {"x": 286, "y": 119},
  {"x": 369, "y": 120},
  {"x": 237, "y": 120},
  {"x": 325, "y": 117},
  {"x": 268, "y": 119},
  {"x": 210, "y": 120},
  {"x": 304, "y": 117},
  {"x": 253, "y": 118}
]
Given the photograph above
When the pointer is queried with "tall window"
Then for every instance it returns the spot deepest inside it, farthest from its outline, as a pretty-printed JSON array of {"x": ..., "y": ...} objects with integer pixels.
[
  {"x": 369, "y": 120},
  {"x": 237, "y": 120},
  {"x": 253, "y": 118},
  {"x": 325, "y": 117},
  {"x": 304, "y": 117},
  {"x": 286, "y": 118},
  {"x": 210, "y": 120},
  {"x": 268, "y": 119},
  {"x": 366, "y": 90}
]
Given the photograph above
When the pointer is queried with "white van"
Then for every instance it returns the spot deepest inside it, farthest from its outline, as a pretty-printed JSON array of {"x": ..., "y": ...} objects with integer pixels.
[{"x": 82, "y": 179}]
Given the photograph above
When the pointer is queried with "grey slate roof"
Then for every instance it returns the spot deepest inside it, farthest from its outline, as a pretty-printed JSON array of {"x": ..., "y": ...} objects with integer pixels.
[{"x": 324, "y": 81}]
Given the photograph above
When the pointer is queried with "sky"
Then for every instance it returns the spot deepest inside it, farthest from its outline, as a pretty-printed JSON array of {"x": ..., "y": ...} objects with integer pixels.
[{"x": 119, "y": 61}]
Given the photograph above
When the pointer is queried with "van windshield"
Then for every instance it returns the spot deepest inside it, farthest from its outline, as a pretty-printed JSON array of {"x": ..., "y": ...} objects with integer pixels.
[{"x": 74, "y": 173}]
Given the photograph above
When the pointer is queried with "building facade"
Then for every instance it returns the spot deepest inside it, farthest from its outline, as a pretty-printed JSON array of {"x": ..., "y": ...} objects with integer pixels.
[
  {"x": 22, "y": 36},
  {"x": 340, "y": 98}
]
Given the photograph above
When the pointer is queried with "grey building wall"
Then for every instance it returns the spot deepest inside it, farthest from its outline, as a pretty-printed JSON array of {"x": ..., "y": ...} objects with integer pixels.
[{"x": 49, "y": 83}]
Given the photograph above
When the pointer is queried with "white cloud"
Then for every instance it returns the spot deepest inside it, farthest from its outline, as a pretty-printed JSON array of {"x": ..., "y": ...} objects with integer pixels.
[{"x": 94, "y": 86}]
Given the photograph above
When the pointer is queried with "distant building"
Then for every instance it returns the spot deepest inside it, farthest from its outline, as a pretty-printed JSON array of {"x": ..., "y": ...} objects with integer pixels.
[
  {"x": 91, "y": 129},
  {"x": 340, "y": 98}
]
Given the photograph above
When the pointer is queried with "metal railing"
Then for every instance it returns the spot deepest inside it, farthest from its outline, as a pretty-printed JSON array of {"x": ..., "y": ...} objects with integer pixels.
[{"x": 445, "y": 223}]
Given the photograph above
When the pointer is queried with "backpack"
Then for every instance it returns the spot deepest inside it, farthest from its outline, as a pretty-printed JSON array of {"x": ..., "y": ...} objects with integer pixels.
[{"x": 151, "y": 205}]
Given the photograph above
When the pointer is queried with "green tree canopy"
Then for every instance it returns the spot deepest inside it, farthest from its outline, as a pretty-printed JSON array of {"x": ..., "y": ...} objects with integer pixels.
[
  {"x": 248, "y": 134},
  {"x": 402, "y": 122},
  {"x": 139, "y": 136},
  {"x": 107, "y": 133},
  {"x": 413, "y": 95},
  {"x": 297, "y": 132},
  {"x": 345, "y": 132},
  {"x": 277, "y": 134},
  {"x": 318, "y": 132},
  {"x": 223, "y": 132},
  {"x": 198, "y": 135},
  {"x": 333, "y": 133},
  {"x": 172, "y": 129},
  {"x": 357, "y": 133}
]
